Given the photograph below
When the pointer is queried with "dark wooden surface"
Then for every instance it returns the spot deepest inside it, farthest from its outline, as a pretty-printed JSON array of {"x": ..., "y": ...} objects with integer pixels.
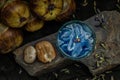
[
  {"x": 10, "y": 70},
  {"x": 107, "y": 43},
  {"x": 37, "y": 67},
  {"x": 108, "y": 34}
]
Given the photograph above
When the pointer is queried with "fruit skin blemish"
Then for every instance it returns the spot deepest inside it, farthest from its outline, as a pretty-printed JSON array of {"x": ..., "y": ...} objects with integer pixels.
[{"x": 76, "y": 40}]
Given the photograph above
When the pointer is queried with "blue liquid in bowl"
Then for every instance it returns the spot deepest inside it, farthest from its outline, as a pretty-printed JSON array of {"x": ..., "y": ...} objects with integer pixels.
[{"x": 76, "y": 40}]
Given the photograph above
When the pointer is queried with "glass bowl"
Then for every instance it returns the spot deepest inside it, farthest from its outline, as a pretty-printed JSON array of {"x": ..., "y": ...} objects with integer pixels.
[{"x": 76, "y": 40}]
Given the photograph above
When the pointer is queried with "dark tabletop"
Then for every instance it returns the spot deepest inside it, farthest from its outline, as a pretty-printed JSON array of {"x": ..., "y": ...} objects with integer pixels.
[{"x": 10, "y": 70}]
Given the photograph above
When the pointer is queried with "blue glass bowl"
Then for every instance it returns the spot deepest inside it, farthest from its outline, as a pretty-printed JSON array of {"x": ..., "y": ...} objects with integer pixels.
[{"x": 76, "y": 40}]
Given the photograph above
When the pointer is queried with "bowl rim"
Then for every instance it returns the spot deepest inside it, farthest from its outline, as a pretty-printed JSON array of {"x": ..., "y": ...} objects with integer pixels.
[{"x": 64, "y": 53}]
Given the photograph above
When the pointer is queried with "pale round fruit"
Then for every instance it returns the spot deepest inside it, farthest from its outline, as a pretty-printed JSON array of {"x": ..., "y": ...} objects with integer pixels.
[
  {"x": 29, "y": 54},
  {"x": 69, "y": 7},
  {"x": 34, "y": 24},
  {"x": 47, "y": 9},
  {"x": 15, "y": 13}
]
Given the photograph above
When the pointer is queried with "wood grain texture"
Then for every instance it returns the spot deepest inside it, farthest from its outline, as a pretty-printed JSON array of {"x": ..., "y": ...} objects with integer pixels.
[{"x": 107, "y": 47}]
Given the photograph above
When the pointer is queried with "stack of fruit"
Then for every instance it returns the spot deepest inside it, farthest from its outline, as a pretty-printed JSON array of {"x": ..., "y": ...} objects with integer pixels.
[{"x": 16, "y": 15}]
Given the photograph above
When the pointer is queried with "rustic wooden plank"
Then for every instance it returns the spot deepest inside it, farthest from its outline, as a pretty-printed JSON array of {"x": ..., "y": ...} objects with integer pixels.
[
  {"x": 106, "y": 52},
  {"x": 38, "y": 68},
  {"x": 107, "y": 43}
]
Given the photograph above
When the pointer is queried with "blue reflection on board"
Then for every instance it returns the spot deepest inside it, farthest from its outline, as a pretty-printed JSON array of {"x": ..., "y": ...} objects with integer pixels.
[{"x": 76, "y": 40}]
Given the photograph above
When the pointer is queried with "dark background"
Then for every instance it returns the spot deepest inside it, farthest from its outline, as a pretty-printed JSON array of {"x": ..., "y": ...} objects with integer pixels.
[{"x": 10, "y": 70}]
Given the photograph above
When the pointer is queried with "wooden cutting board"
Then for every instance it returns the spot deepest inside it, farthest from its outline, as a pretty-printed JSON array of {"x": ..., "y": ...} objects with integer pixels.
[{"x": 106, "y": 55}]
